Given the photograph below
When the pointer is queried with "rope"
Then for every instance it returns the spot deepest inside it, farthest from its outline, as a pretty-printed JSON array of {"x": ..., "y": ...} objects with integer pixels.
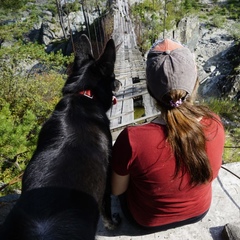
[
  {"x": 230, "y": 172},
  {"x": 70, "y": 30},
  {"x": 231, "y": 147}
]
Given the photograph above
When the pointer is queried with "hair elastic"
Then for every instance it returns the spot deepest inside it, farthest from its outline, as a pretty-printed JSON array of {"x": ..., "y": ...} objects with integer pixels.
[{"x": 177, "y": 103}]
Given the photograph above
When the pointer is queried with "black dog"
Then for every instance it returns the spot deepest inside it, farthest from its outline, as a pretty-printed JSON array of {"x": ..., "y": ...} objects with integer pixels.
[{"x": 64, "y": 184}]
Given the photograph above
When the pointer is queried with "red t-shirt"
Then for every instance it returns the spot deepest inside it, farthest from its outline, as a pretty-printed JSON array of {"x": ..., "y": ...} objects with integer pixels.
[{"x": 154, "y": 197}]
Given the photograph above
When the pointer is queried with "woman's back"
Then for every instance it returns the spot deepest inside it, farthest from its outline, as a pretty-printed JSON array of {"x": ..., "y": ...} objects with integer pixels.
[{"x": 155, "y": 196}]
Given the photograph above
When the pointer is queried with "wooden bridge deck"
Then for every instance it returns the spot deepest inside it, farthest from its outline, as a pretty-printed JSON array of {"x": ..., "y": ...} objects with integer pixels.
[{"x": 130, "y": 70}]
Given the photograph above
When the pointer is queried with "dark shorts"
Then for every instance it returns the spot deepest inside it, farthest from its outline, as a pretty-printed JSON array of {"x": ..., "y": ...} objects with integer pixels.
[{"x": 128, "y": 215}]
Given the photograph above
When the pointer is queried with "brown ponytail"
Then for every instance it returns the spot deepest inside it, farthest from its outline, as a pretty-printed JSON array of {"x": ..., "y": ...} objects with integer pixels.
[{"x": 185, "y": 135}]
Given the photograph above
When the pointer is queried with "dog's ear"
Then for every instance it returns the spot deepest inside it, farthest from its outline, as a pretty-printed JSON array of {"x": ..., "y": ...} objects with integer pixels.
[
  {"x": 83, "y": 51},
  {"x": 107, "y": 59},
  {"x": 83, "y": 47},
  {"x": 83, "y": 55}
]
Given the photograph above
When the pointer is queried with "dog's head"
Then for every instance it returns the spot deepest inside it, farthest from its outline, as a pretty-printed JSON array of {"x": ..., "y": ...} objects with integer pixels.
[{"x": 93, "y": 77}]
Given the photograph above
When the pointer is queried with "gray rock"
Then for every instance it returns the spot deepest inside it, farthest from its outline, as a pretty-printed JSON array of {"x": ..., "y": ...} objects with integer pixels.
[
  {"x": 6, "y": 204},
  {"x": 231, "y": 231}
]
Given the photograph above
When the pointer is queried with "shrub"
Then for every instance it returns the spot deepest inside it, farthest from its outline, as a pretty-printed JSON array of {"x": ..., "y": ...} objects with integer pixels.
[
  {"x": 26, "y": 98},
  {"x": 234, "y": 30},
  {"x": 12, "y": 4},
  {"x": 17, "y": 141},
  {"x": 25, "y": 104},
  {"x": 218, "y": 21},
  {"x": 230, "y": 113},
  {"x": 232, "y": 146}
]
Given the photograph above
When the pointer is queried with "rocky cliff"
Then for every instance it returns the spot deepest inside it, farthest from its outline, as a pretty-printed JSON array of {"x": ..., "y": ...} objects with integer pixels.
[
  {"x": 216, "y": 51},
  {"x": 217, "y": 56}
]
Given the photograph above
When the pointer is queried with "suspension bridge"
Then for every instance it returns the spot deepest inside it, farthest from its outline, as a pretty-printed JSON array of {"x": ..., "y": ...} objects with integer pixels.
[{"x": 130, "y": 70}]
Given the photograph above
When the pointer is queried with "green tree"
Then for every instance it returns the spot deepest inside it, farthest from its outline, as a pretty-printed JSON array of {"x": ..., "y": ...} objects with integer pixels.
[
  {"x": 16, "y": 143},
  {"x": 24, "y": 107},
  {"x": 12, "y": 4}
]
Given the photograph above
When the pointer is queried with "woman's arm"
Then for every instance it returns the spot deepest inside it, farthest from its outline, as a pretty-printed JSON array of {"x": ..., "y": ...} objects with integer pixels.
[{"x": 119, "y": 183}]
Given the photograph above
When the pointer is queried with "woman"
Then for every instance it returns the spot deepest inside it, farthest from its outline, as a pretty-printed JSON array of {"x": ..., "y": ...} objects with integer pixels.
[{"x": 163, "y": 170}]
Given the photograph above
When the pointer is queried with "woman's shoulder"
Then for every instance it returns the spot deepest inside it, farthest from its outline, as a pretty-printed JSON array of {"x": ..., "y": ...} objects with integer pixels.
[
  {"x": 143, "y": 131},
  {"x": 213, "y": 126},
  {"x": 214, "y": 119},
  {"x": 149, "y": 126}
]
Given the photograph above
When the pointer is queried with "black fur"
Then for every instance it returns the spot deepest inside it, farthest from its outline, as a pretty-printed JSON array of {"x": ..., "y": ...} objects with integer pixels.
[{"x": 64, "y": 184}]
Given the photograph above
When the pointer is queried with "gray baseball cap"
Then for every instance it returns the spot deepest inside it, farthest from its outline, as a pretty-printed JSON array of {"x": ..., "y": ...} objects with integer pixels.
[{"x": 170, "y": 65}]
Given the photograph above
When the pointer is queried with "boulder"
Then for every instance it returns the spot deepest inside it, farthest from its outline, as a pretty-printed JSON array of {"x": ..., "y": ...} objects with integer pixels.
[
  {"x": 6, "y": 204},
  {"x": 231, "y": 231}
]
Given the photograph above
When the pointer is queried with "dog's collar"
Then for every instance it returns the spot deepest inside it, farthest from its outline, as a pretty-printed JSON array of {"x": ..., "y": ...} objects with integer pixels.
[{"x": 87, "y": 93}]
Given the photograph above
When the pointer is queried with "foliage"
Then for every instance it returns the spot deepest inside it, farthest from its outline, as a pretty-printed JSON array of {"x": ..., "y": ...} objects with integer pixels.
[
  {"x": 233, "y": 7},
  {"x": 232, "y": 147},
  {"x": 234, "y": 30},
  {"x": 15, "y": 29},
  {"x": 27, "y": 95},
  {"x": 16, "y": 142},
  {"x": 27, "y": 99},
  {"x": 188, "y": 5},
  {"x": 12, "y": 4},
  {"x": 217, "y": 15},
  {"x": 24, "y": 106},
  {"x": 154, "y": 17},
  {"x": 230, "y": 114},
  {"x": 157, "y": 16},
  {"x": 73, "y": 6},
  {"x": 218, "y": 21},
  {"x": 32, "y": 51},
  {"x": 146, "y": 16}
]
